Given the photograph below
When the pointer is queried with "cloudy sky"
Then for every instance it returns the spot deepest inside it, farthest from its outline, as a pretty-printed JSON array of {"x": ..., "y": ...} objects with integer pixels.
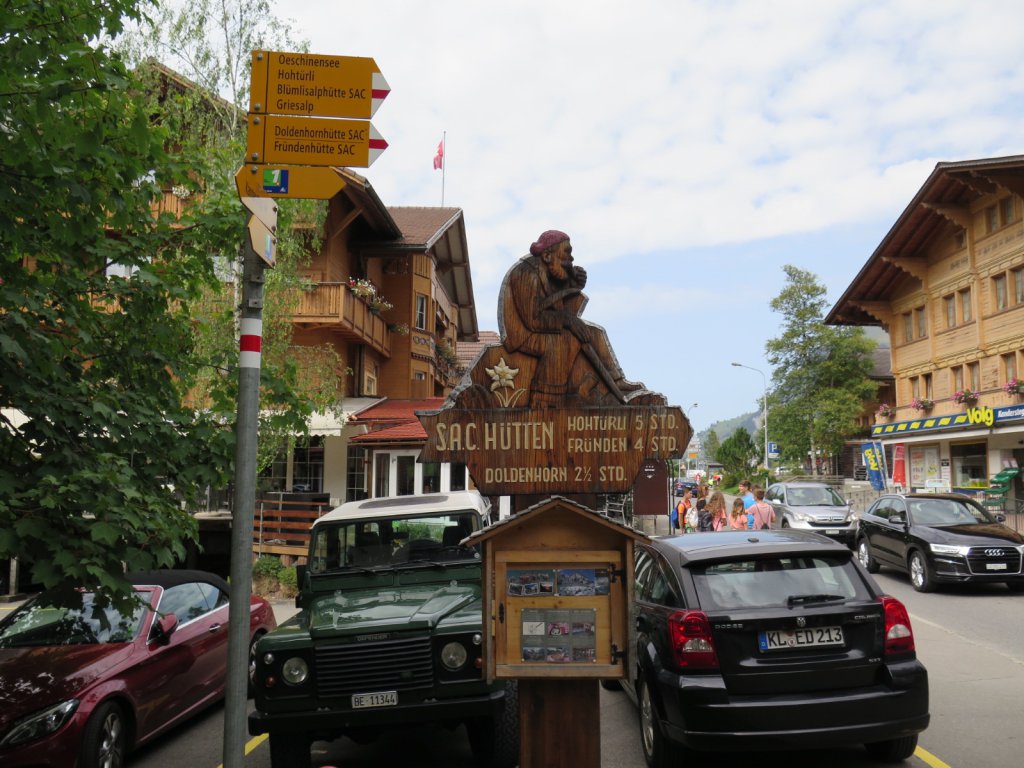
[{"x": 690, "y": 149}]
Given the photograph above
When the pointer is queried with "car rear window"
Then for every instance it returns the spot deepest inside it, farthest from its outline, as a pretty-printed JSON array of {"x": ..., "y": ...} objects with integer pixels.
[{"x": 777, "y": 580}]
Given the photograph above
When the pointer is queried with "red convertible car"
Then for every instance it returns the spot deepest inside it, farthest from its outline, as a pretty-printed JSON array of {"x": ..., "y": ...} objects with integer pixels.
[{"x": 82, "y": 685}]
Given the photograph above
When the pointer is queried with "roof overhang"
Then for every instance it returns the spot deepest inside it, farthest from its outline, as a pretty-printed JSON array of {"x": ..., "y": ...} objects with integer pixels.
[{"x": 942, "y": 203}]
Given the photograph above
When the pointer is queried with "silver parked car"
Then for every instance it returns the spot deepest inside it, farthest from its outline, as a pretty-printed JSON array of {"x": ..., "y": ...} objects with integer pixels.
[{"x": 813, "y": 507}]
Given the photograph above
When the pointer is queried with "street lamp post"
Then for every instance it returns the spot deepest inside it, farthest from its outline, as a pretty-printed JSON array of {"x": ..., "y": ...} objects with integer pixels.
[
  {"x": 764, "y": 417},
  {"x": 686, "y": 413}
]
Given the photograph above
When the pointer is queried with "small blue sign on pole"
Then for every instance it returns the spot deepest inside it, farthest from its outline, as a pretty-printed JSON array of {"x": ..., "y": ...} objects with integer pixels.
[{"x": 773, "y": 450}]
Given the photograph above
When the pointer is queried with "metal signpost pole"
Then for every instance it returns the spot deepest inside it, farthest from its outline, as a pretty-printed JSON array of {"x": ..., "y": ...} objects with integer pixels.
[{"x": 235, "y": 732}]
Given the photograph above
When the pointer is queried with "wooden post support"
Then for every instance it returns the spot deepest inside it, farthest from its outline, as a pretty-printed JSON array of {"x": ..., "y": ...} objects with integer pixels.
[{"x": 559, "y": 724}]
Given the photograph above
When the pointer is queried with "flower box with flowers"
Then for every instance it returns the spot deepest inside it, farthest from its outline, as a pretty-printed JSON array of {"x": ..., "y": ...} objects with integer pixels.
[
  {"x": 1014, "y": 387},
  {"x": 886, "y": 411},
  {"x": 922, "y": 404},
  {"x": 965, "y": 396},
  {"x": 362, "y": 288}
]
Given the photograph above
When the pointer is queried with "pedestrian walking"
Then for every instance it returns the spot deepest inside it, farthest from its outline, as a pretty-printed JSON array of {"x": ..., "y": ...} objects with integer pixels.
[
  {"x": 746, "y": 494},
  {"x": 677, "y": 513},
  {"x": 716, "y": 506},
  {"x": 704, "y": 522},
  {"x": 762, "y": 512},
  {"x": 738, "y": 516}
]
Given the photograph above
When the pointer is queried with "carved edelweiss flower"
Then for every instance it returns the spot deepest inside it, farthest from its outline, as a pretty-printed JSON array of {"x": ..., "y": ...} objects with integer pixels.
[{"x": 501, "y": 376}]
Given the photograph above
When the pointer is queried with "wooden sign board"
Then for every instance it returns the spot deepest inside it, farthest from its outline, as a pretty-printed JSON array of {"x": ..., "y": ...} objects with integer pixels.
[
  {"x": 549, "y": 410},
  {"x": 550, "y": 450}
]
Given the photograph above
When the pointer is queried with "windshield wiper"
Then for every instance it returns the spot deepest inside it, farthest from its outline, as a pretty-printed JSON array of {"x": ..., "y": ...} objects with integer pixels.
[
  {"x": 427, "y": 563},
  {"x": 808, "y": 599}
]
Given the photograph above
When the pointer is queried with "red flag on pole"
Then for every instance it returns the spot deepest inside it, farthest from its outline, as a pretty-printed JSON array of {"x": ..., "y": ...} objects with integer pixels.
[{"x": 439, "y": 157}]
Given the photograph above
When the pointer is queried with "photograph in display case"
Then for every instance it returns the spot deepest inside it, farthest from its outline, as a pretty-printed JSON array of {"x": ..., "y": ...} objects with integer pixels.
[{"x": 558, "y": 635}]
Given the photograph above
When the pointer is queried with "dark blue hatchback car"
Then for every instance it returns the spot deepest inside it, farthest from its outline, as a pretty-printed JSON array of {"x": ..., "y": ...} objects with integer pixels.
[{"x": 775, "y": 639}]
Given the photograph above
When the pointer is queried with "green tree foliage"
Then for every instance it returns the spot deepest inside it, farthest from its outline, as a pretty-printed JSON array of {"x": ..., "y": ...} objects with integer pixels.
[
  {"x": 98, "y": 451},
  {"x": 711, "y": 446},
  {"x": 737, "y": 454},
  {"x": 820, "y": 372}
]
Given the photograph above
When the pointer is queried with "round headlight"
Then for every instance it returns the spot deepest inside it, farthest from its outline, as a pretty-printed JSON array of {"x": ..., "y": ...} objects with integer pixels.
[
  {"x": 453, "y": 656},
  {"x": 295, "y": 671}
]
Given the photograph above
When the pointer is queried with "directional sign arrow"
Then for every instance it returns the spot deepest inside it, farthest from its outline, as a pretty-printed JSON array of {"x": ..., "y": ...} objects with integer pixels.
[
  {"x": 315, "y": 84},
  {"x": 263, "y": 240},
  {"x": 312, "y": 141},
  {"x": 309, "y": 182},
  {"x": 262, "y": 208}
]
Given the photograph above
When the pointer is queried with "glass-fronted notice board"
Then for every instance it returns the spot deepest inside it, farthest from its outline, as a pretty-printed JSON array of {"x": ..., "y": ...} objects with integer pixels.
[{"x": 555, "y": 618}]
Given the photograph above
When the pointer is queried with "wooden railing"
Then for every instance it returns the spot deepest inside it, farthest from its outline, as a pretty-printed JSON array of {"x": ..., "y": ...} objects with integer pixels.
[
  {"x": 282, "y": 527},
  {"x": 333, "y": 304}
]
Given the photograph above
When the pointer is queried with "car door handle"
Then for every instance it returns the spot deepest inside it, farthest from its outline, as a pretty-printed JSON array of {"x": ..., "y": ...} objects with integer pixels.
[{"x": 214, "y": 628}]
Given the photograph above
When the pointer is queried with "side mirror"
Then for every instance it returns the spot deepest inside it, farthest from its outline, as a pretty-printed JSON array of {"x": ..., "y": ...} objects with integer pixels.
[
  {"x": 300, "y": 576},
  {"x": 163, "y": 628},
  {"x": 1000, "y": 518},
  {"x": 897, "y": 520}
]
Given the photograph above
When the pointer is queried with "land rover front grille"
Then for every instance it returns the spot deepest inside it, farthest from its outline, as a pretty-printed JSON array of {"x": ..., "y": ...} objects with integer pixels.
[{"x": 392, "y": 665}]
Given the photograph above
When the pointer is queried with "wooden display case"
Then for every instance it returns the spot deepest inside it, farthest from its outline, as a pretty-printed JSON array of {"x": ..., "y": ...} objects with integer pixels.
[{"x": 558, "y": 581}]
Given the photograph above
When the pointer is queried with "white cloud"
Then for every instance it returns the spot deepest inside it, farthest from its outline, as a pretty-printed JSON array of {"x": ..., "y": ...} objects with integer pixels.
[{"x": 681, "y": 144}]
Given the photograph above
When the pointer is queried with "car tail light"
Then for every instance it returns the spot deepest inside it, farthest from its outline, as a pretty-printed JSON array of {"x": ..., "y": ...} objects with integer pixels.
[
  {"x": 899, "y": 637},
  {"x": 693, "y": 647}
]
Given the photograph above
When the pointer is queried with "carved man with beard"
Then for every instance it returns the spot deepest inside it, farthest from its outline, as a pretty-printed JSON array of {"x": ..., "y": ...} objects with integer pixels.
[{"x": 541, "y": 301}]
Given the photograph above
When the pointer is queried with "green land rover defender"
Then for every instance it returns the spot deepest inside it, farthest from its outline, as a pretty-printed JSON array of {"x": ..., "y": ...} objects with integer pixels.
[{"x": 389, "y": 633}]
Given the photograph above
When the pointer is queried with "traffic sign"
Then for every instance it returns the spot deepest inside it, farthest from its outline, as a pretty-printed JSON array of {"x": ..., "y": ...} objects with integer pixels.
[
  {"x": 314, "y": 84},
  {"x": 262, "y": 208},
  {"x": 308, "y": 182},
  {"x": 312, "y": 141},
  {"x": 263, "y": 240}
]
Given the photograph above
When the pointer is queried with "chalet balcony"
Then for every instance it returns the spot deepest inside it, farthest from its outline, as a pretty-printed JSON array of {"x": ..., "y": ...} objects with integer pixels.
[{"x": 332, "y": 307}]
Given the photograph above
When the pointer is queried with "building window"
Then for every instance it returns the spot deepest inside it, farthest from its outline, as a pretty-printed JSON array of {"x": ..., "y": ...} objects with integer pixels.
[
  {"x": 275, "y": 477},
  {"x": 999, "y": 289},
  {"x": 922, "y": 324},
  {"x": 381, "y": 474},
  {"x": 1018, "y": 285},
  {"x": 457, "y": 476},
  {"x": 908, "y": 327},
  {"x": 958, "y": 378},
  {"x": 927, "y": 385},
  {"x": 431, "y": 477},
  {"x": 950, "y": 306},
  {"x": 421, "y": 312},
  {"x": 915, "y": 387},
  {"x": 974, "y": 374},
  {"x": 991, "y": 219},
  {"x": 355, "y": 474},
  {"x": 1010, "y": 366},
  {"x": 308, "y": 465},
  {"x": 965, "y": 306},
  {"x": 405, "y": 482},
  {"x": 1006, "y": 211},
  {"x": 968, "y": 465}
]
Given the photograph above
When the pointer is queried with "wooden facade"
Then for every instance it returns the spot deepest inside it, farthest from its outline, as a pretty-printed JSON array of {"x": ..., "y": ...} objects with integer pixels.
[{"x": 947, "y": 284}]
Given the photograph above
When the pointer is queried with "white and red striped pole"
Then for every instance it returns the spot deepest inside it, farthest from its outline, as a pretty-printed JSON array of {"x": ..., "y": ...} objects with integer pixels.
[{"x": 250, "y": 344}]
